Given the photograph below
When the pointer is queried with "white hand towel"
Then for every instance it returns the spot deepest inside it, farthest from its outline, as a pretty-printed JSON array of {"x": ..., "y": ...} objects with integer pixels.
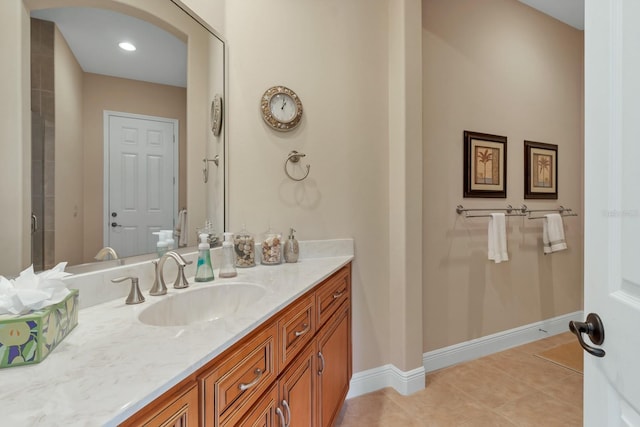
[
  {"x": 553, "y": 234},
  {"x": 497, "y": 238},
  {"x": 181, "y": 228}
]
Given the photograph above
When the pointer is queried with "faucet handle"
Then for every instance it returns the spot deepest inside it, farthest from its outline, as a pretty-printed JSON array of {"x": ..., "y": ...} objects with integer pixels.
[
  {"x": 158, "y": 287},
  {"x": 181, "y": 276},
  {"x": 135, "y": 296}
]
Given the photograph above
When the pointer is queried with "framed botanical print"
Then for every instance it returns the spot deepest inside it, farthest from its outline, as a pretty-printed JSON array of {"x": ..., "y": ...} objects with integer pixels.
[
  {"x": 540, "y": 170},
  {"x": 485, "y": 165}
]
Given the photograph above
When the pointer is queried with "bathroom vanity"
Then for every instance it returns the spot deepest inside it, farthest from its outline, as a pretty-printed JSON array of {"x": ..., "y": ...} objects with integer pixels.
[
  {"x": 294, "y": 369},
  {"x": 283, "y": 358}
]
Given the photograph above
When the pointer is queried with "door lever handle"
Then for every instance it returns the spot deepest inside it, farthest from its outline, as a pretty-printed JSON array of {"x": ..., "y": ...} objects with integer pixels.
[{"x": 592, "y": 327}]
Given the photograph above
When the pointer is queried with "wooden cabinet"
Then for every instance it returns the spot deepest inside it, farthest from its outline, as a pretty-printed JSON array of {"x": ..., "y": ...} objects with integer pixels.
[
  {"x": 233, "y": 385},
  {"x": 334, "y": 370},
  {"x": 171, "y": 410},
  {"x": 263, "y": 413},
  {"x": 296, "y": 328},
  {"x": 294, "y": 370},
  {"x": 332, "y": 294},
  {"x": 297, "y": 404}
]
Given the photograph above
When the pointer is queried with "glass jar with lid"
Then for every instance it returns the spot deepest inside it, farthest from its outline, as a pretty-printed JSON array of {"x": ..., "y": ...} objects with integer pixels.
[
  {"x": 244, "y": 248},
  {"x": 272, "y": 248}
]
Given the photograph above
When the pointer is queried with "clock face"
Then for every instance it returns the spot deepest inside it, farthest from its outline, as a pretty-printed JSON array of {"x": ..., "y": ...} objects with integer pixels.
[{"x": 282, "y": 107}]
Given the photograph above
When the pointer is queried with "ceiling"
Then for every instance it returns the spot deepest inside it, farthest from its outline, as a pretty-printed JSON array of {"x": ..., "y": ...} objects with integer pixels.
[
  {"x": 570, "y": 12},
  {"x": 93, "y": 36}
]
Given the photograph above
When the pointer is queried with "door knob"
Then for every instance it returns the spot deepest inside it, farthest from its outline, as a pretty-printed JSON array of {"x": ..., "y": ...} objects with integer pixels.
[
  {"x": 592, "y": 327},
  {"x": 115, "y": 224}
]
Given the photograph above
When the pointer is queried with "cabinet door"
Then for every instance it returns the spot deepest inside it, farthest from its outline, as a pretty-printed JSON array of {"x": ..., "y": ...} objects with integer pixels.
[
  {"x": 262, "y": 414},
  {"x": 334, "y": 365},
  {"x": 297, "y": 406},
  {"x": 180, "y": 411}
]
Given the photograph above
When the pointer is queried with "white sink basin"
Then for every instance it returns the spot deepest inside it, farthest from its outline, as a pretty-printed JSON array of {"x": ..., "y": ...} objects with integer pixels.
[{"x": 200, "y": 304}]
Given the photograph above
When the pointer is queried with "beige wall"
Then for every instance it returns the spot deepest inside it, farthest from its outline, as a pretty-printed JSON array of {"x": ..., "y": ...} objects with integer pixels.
[
  {"x": 333, "y": 54},
  {"x": 69, "y": 202},
  {"x": 210, "y": 12},
  {"x": 130, "y": 96},
  {"x": 498, "y": 67}
]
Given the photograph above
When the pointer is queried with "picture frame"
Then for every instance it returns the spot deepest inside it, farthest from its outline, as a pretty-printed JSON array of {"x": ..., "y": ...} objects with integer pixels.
[
  {"x": 540, "y": 170},
  {"x": 485, "y": 165}
]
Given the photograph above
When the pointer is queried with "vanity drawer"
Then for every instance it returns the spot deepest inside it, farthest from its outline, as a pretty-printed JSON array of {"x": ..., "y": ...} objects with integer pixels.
[
  {"x": 240, "y": 379},
  {"x": 331, "y": 294},
  {"x": 296, "y": 327}
]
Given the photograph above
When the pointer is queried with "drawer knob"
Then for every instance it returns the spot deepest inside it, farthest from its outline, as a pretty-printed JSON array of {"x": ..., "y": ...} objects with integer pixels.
[
  {"x": 306, "y": 329},
  {"x": 246, "y": 386},
  {"x": 337, "y": 295}
]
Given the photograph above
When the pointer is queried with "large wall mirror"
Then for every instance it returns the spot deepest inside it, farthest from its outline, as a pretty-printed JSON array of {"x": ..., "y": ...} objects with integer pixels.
[{"x": 119, "y": 139}]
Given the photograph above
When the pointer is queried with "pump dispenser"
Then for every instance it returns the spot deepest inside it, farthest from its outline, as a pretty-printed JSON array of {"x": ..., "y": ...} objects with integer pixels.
[
  {"x": 204, "y": 270},
  {"x": 228, "y": 269},
  {"x": 291, "y": 248}
]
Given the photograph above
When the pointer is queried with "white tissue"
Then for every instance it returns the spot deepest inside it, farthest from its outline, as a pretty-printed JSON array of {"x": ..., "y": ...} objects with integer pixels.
[{"x": 31, "y": 291}]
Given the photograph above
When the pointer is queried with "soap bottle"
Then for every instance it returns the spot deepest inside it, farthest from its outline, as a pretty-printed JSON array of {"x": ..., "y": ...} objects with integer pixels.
[
  {"x": 168, "y": 237},
  {"x": 204, "y": 270},
  {"x": 291, "y": 248},
  {"x": 162, "y": 246},
  {"x": 228, "y": 269}
]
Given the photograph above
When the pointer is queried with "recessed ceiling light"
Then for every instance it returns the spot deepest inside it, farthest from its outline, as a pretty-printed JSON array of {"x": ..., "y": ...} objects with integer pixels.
[{"x": 127, "y": 46}]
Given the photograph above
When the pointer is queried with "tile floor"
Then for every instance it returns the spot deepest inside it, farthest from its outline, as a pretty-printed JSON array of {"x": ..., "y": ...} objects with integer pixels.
[{"x": 510, "y": 388}]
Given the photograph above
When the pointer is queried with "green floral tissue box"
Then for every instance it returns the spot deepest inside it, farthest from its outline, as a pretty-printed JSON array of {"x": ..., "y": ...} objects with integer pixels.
[{"x": 29, "y": 338}]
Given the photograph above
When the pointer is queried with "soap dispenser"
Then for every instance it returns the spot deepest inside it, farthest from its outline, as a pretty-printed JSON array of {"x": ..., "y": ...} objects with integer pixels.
[
  {"x": 291, "y": 248},
  {"x": 204, "y": 270},
  {"x": 228, "y": 268}
]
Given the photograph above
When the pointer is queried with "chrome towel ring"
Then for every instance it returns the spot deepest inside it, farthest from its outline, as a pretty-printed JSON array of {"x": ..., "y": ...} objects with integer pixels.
[{"x": 294, "y": 157}]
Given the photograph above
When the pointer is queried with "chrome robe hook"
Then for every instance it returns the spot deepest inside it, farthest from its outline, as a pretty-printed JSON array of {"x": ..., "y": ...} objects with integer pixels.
[
  {"x": 294, "y": 157},
  {"x": 205, "y": 170}
]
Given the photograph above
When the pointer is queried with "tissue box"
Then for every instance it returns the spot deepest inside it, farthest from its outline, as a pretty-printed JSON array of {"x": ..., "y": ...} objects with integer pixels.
[{"x": 29, "y": 338}]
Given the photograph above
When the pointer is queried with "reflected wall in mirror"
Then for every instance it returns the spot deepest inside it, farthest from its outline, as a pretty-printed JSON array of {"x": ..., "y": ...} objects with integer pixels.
[{"x": 93, "y": 183}]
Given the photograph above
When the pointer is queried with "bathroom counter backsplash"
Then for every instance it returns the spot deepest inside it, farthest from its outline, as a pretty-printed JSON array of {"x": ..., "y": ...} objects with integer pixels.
[{"x": 112, "y": 365}]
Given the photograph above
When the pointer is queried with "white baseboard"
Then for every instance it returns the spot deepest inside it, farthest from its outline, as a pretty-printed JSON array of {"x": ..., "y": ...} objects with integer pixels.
[
  {"x": 378, "y": 378},
  {"x": 409, "y": 382},
  {"x": 480, "y": 347}
]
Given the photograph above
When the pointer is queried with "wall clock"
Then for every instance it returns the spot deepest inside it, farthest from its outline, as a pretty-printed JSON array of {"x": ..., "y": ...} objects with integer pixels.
[
  {"x": 216, "y": 114},
  {"x": 281, "y": 108}
]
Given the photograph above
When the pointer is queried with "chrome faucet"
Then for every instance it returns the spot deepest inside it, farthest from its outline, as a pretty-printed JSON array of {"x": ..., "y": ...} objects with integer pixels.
[
  {"x": 106, "y": 252},
  {"x": 159, "y": 286}
]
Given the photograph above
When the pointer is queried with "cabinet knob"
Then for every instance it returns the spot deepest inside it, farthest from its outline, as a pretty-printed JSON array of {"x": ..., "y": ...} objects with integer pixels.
[
  {"x": 321, "y": 370},
  {"x": 246, "y": 386}
]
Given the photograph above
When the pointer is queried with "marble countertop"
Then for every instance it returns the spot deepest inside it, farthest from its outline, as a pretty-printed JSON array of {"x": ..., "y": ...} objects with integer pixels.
[{"x": 111, "y": 365}]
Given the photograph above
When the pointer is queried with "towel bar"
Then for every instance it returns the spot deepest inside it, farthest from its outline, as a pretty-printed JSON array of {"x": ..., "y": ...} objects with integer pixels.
[
  {"x": 509, "y": 211},
  {"x": 561, "y": 210}
]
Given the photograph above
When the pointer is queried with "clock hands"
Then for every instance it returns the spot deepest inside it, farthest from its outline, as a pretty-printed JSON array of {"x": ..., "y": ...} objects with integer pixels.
[{"x": 284, "y": 102}]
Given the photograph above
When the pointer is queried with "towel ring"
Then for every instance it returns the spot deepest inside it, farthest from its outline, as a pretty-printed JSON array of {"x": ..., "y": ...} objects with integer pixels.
[{"x": 294, "y": 157}]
